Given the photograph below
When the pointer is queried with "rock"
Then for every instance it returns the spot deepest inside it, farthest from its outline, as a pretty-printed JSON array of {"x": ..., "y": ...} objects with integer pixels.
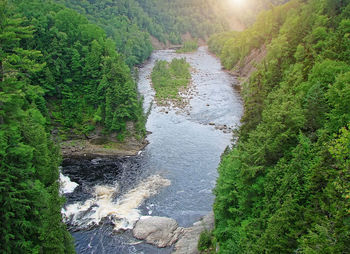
[
  {"x": 99, "y": 140},
  {"x": 222, "y": 127},
  {"x": 159, "y": 231},
  {"x": 187, "y": 243},
  {"x": 211, "y": 123}
]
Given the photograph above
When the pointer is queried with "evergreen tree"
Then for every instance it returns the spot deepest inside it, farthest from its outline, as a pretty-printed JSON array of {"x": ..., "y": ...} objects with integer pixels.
[
  {"x": 28, "y": 159},
  {"x": 284, "y": 186}
]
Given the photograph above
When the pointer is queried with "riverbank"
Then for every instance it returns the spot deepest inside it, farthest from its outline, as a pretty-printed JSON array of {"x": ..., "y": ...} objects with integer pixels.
[
  {"x": 99, "y": 144},
  {"x": 79, "y": 148},
  {"x": 245, "y": 68}
]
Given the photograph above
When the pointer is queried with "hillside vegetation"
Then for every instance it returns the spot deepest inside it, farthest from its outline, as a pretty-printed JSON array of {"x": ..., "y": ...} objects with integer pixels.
[
  {"x": 30, "y": 204},
  {"x": 84, "y": 80},
  {"x": 188, "y": 46},
  {"x": 284, "y": 187},
  {"x": 66, "y": 71},
  {"x": 130, "y": 23}
]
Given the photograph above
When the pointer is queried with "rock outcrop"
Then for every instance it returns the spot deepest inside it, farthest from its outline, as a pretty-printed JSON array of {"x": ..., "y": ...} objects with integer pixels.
[
  {"x": 244, "y": 69},
  {"x": 159, "y": 231},
  {"x": 187, "y": 243},
  {"x": 164, "y": 232},
  {"x": 90, "y": 149}
]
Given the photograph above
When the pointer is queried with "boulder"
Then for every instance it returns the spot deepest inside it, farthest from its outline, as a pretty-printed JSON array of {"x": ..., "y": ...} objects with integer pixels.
[
  {"x": 187, "y": 243},
  {"x": 159, "y": 231}
]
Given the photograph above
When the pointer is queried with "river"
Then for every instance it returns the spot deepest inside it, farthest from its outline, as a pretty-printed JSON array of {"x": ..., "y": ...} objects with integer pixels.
[{"x": 172, "y": 177}]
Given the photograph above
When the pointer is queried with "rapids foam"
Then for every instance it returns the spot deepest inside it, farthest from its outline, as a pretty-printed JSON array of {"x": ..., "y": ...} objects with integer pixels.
[
  {"x": 123, "y": 212},
  {"x": 66, "y": 185}
]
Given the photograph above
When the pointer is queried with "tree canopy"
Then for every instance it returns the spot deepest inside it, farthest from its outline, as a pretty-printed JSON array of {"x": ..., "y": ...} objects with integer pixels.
[
  {"x": 284, "y": 186},
  {"x": 29, "y": 202}
]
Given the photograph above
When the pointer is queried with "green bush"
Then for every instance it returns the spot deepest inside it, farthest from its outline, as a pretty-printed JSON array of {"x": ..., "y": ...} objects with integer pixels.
[
  {"x": 168, "y": 78},
  {"x": 189, "y": 46},
  {"x": 205, "y": 240}
]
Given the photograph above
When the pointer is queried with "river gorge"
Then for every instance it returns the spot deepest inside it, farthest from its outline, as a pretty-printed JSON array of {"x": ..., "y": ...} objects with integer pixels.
[{"x": 172, "y": 177}]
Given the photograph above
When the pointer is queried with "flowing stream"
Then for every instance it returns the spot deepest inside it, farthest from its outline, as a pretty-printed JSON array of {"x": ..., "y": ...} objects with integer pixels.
[{"x": 174, "y": 175}]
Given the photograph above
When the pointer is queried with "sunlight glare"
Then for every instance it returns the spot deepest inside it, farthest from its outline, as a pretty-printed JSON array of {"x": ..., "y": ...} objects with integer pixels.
[{"x": 237, "y": 2}]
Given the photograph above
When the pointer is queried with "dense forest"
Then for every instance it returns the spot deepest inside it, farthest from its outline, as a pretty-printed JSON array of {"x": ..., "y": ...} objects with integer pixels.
[
  {"x": 67, "y": 70},
  {"x": 284, "y": 186},
  {"x": 85, "y": 82},
  {"x": 131, "y": 23},
  {"x": 29, "y": 202}
]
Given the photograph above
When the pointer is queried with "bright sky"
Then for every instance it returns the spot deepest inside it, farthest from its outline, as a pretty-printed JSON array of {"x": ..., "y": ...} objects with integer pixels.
[{"x": 237, "y": 3}]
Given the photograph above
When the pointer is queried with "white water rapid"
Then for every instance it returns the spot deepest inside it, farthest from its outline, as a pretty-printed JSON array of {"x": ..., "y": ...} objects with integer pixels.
[
  {"x": 66, "y": 185},
  {"x": 123, "y": 212}
]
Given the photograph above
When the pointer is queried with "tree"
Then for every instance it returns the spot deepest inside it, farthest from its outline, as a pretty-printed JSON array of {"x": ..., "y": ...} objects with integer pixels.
[{"x": 28, "y": 159}]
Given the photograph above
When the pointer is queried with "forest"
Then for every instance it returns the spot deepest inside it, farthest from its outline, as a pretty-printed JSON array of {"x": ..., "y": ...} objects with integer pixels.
[
  {"x": 68, "y": 68},
  {"x": 30, "y": 203},
  {"x": 284, "y": 186},
  {"x": 130, "y": 23}
]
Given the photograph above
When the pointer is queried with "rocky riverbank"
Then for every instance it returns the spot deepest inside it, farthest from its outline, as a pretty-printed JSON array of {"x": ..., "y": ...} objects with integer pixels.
[
  {"x": 98, "y": 144},
  {"x": 79, "y": 148}
]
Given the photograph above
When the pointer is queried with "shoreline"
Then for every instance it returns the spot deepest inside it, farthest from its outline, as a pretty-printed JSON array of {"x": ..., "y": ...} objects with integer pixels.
[{"x": 84, "y": 149}]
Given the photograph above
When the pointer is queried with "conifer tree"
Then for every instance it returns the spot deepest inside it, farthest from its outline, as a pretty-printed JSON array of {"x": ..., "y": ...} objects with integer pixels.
[{"x": 29, "y": 198}]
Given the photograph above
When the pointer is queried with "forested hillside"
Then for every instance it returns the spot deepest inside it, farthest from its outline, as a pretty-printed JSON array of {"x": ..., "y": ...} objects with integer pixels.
[
  {"x": 29, "y": 201},
  {"x": 130, "y": 23},
  {"x": 66, "y": 72},
  {"x": 285, "y": 185},
  {"x": 85, "y": 82}
]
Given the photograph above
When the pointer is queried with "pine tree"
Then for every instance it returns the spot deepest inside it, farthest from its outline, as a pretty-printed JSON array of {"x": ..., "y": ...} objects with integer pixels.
[{"x": 28, "y": 158}]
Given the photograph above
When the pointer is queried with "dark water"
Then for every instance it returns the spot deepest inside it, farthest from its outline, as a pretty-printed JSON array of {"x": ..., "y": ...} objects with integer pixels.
[{"x": 178, "y": 166}]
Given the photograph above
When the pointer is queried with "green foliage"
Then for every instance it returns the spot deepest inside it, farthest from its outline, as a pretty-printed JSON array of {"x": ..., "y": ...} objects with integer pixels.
[
  {"x": 130, "y": 23},
  {"x": 85, "y": 81},
  {"x": 200, "y": 18},
  {"x": 189, "y": 46},
  {"x": 123, "y": 21},
  {"x": 205, "y": 241},
  {"x": 232, "y": 47},
  {"x": 30, "y": 203},
  {"x": 169, "y": 78},
  {"x": 284, "y": 187}
]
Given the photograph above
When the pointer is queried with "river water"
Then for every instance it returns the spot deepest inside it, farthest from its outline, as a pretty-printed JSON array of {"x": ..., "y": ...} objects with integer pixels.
[{"x": 172, "y": 177}]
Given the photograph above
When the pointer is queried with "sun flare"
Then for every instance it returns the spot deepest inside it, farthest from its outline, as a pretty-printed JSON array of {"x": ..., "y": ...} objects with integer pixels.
[{"x": 237, "y": 2}]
